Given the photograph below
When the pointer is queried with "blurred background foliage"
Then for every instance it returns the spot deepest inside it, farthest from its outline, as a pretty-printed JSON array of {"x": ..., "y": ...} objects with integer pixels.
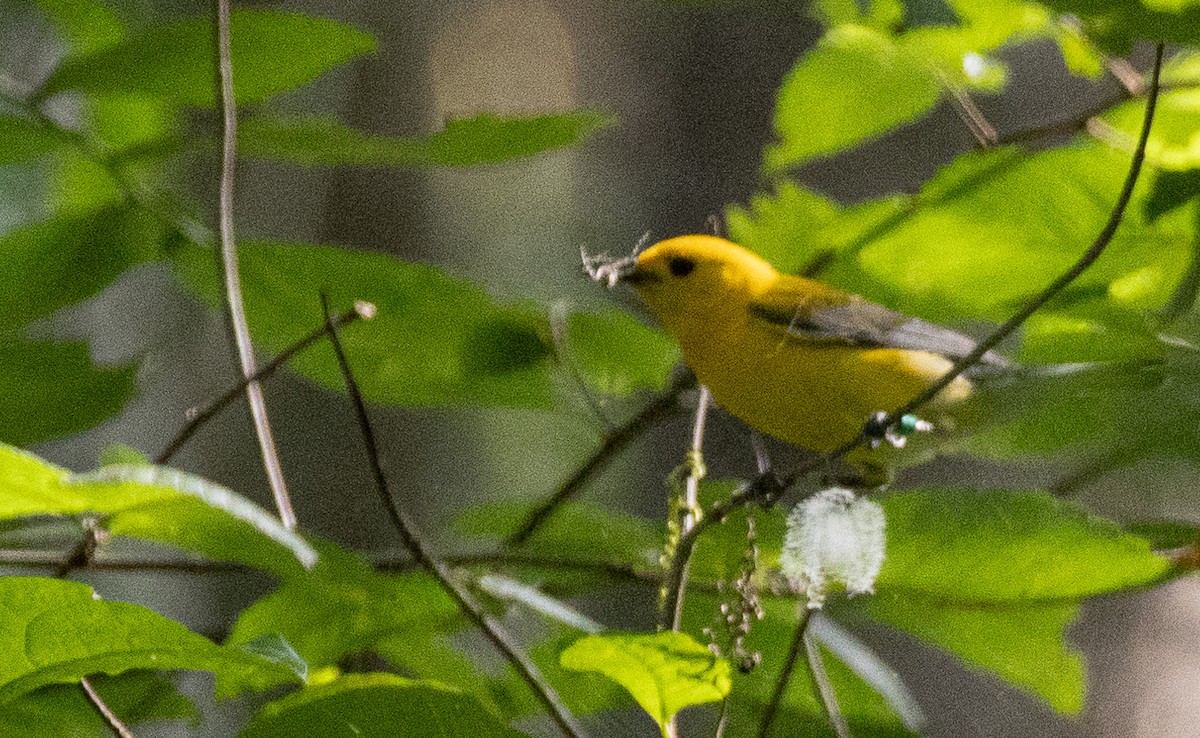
[{"x": 446, "y": 161}]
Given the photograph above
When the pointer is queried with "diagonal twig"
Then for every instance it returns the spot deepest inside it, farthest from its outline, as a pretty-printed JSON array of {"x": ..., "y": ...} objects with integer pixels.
[
  {"x": 613, "y": 444},
  {"x": 785, "y": 675},
  {"x": 361, "y": 311},
  {"x": 415, "y": 545},
  {"x": 118, "y": 728},
  {"x": 234, "y": 306}
]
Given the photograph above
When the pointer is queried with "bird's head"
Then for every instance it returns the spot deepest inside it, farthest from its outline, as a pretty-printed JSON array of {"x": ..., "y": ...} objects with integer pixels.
[{"x": 689, "y": 278}]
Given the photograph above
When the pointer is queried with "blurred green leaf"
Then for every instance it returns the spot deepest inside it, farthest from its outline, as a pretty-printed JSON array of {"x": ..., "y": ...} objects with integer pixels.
[
  {"x": 67, "y": 259},
  {"x": 23, "y": 140},
  {"x": 1174, "y": 142},
  {"x": 855, "y": 85},
  {"x": 52, "y": 389},
  {"x": 616, "y": 355},
  {"x": 156, "y": 504},
  {"x": 437, "y": 340},
  {"x": 63, "y": 710},
  {"x": 1082, "y": 58},
  {"x": 665, "y": 672},
  {"x": 1024, "y": 646},
  {"x": 993, "y": 547},
  {"x": 483, "y": 139},
  {"x": 119, "y": 453},
  {"x": 342, "y": 607},
  {"x": 1116, "y": 24},
  {"x": 87, "y": 25},
  {"x": 578, "y": 531},
  {"x": 1165, "y": 534},
  {"x": 787, "y": 228},
  {"x": 1089, "y": 330},
  {"x": 953, "y": 252},
  {"x": 377, "y": 706},
  {"x": 272, "y": 51},
  {"x": 55, "y": 632},
  {"x": 1171, "y": 191}
]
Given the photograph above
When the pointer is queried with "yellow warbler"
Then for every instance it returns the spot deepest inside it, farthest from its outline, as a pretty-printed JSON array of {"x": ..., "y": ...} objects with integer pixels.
[{"x": 792, "y": 357}]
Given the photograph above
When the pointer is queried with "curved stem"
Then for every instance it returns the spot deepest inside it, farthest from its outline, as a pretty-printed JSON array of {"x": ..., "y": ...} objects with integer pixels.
[
  {"x": 234, "y": 305},
  {"x": 614, "y": 443},
  {"x": 362, "y": 310}
]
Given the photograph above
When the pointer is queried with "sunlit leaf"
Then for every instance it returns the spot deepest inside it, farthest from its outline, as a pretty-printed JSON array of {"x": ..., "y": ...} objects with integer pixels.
[
  {"x": 877, "y": 87},
  {"x": 54, "y": 632},
  {"x": 342, "y": 607},
  {"x": 272, "y": 51},
  {"x": 665, "y": 672},
  {"x": 1116, "y": 24},
  {"x": 1174, "y": 142},
  {"x": 787, "y": 228},
  {"x": 156, "y": 504}
]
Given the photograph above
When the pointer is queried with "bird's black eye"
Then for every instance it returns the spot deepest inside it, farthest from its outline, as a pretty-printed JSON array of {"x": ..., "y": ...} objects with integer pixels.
[{"x": 681, "y": 266}]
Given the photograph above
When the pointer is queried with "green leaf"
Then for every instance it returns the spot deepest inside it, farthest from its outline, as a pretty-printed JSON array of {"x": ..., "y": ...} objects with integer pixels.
[
  {"x": 1165, "y": 534},
  {"x": 786, "y": 228},
  {"x": 994, "y": 547},
  {"x": 51, "y": 390},
  {"x": 1172, "y": 190},
  {"x": 952, "y": 253},
  {"x": 342, "y": 607},
  {"x": 617, "y": 355},
  {"x": 119, "y": 453},
  {"x": 878, "y": 86},
  {"x": 272, "y": 51},
  {"x": 63, "y": 710},
  {"x": 23, "y": 140},
  {"x": 1024, "y": 646},
  {"x": 483, "y": 139},
  {"x": 156, "y": 504},
  {"x": 1116, "y": 24},
  {"x": 377, "y": 706},
  {"x": 579, "y": 531},
  {"x": 664, "y": 672},
  {"x": 87, "y": 25},
  {"x": 65, "y": 260},
  {"x": 1174, "y": 142},
  {"x": 55, "y": 632},
  {"x": 437, "y": 340}
]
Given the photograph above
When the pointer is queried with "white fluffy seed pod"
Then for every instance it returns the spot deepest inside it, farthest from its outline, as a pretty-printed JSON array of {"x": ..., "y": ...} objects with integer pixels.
[{"x": 834, "y": 537}]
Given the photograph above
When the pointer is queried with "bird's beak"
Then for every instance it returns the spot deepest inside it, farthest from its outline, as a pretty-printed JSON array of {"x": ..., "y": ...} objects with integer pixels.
[{"x": 637, "y": 274}]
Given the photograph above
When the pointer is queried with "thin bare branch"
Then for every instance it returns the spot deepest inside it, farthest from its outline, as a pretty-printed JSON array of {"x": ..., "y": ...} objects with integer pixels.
[
  {"x": 416, "y": 547},
  {"x": 197, "y": 420},
  {"x": 118, "y": 728},
  {"x": 613, "y": 444},
  {"x": 234, "y": 305},
  {"x": 785, "y": 676}
]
